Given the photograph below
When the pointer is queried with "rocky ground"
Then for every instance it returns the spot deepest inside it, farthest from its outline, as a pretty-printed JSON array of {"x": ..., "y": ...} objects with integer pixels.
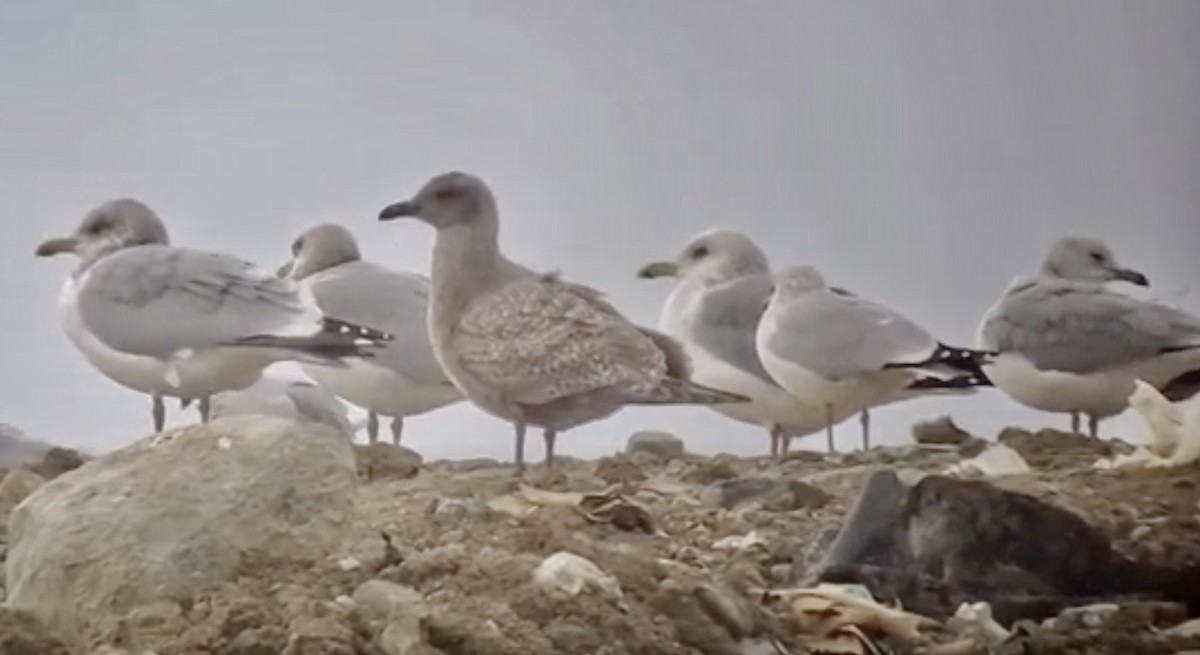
[{"x": 651, "y": 552}]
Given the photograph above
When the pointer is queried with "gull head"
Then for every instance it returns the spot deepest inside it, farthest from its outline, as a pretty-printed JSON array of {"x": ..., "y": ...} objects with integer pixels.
[
  {"x": 447, "y": 200},
  {"x": 1084, "y": 259},
  {"x": 713, "y": 256},
  {"x": 116, "y": 224},
  {"x": 798, "y": 280},
  {"x": 320, "y": 248}
]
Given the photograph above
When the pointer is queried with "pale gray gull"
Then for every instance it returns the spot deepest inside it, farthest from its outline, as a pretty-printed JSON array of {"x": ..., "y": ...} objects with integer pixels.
[
  {"x": 298, "y": 400},
  {"x": 845, "y": 353},
  {"x": 724, "y": 283},
  {"x": 169, "y": 321},
  {"x": 529, "y": 347},
  {"x": 403, "y": 378},
  {"x": 1066, "y": 342}
]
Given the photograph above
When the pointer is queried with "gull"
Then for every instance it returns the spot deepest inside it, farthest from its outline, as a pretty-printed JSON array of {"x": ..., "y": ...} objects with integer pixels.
[
  {"x": 298, "y": 400},
  {"x": 169, "y": 321},
  {"x": 714, "y": 311},
  {"x": 845, "y": 353},
  {"x": 401, "y": 379},
  {"x": 529, "y": 347},
  {"x": 1067, "y": 343}
]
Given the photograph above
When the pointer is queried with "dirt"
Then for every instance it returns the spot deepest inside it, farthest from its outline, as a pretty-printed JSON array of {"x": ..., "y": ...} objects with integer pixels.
[{"x": 681, "y": 593}]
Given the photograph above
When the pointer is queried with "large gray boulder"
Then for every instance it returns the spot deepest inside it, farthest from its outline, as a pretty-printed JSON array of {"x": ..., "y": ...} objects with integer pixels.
[{"x": 175, "y": 513}]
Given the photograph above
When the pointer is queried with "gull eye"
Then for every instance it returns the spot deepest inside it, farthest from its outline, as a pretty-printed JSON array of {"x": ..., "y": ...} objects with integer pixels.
[
  {"x": 445, "y": 194},
  {"x": 296, "y": 246},
  {"x": 700, "y": 252},
  {"x": 1097, "y": 257}
]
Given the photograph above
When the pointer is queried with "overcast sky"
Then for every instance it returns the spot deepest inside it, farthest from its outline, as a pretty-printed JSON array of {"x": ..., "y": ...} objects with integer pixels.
[{"x": 919, "y": 153}]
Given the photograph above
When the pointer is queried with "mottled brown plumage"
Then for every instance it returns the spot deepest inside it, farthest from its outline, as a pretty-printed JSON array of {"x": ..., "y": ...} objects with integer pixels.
[{"x": 527, "y": 346}]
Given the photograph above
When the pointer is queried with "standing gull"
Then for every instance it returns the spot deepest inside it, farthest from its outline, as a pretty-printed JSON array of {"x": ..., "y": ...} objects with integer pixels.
[
  {"x": 714, "y": 311},
  {"x": 401, "y": 379},
  {"x": 845, "y": 354},
  {"x": 1065, "y": 342},
  {"x": 528, "y": 347},
  {"x": 184, "y": 323}
]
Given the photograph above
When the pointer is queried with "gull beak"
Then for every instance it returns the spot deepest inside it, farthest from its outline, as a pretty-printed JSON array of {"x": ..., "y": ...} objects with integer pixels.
[
  {"x": 1130, "y": 276},
  {"x": 285, "y": 270},
  {"x": 57, "y": 246},
  {"x": 399, "y": 210},
  {"x": 659, "y": 269}
]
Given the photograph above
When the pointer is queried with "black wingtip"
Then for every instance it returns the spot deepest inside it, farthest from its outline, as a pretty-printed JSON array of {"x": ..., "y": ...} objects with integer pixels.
[{"x": 334, "y": 326}]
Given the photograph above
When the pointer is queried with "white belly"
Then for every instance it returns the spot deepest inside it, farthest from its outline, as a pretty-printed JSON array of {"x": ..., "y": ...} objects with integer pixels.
[
  {"x": 769, "y": 404},
  {"x": 380, "y": 390},
  {"x": 203, "y": 374},
  {"x": 845, "y": 397},
  {"x": 1100, "y": 394}
]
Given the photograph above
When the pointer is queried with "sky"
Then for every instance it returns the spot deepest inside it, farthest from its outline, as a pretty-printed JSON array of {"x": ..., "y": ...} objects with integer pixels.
[{"x": 921, "y": 154}]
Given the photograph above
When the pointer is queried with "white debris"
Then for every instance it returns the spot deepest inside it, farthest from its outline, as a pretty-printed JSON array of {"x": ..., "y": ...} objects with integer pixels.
[
  {"x": 1174, "y": 434},
  {"x": 997, "y": 461},
  {"x": 975, "y": 620},
  {"x": 569, "y": 574},
  {"x": 740, "y": 542}
]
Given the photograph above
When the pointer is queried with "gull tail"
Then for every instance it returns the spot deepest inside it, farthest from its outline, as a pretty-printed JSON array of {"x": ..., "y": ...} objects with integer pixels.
[
  {"x": 674, "y": 391},
  {"x": 952, "y": 361},
  {"x": 957, "y": 383},
  {"x": 335, "y": 341}
]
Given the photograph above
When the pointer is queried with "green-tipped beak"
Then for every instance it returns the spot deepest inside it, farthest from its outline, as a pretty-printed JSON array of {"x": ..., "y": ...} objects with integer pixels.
[
  {"x": 659, "y": 269},
  {"x": 56, "y": 246}
]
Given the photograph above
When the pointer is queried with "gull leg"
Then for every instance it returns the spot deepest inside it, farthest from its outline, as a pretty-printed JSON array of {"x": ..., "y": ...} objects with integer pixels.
[
  {"x": 159, "y": 412},
  {"x": 785, "y": 443},
  {"x": 372, "y": 427},
  {"x": 866, "y": 429},
  {"x": 205, "y": 406},
  {"x": 776, "y": 433},
  {"x": 829, "y": 428},
  {"x": 1075, "y": 423},
  {"x": 549, "y": 435},
  {"x": 397, "y": 428},
  {"x": 1094, "y": 426},
  {"x": 519, "y": 457}
]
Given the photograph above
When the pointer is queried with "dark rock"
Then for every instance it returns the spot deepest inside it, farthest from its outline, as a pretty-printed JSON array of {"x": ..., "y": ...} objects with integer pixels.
[
  {"x": 868, "y": 536},
  {"x": 940, "y": 431},
  {"x": 947, "y": 541},
  {"x": 58, "y": 460},
  {"x": 663, "y": 444},
  {"x": 770, "y": 494},
  {"x": 385, "y": 461}
]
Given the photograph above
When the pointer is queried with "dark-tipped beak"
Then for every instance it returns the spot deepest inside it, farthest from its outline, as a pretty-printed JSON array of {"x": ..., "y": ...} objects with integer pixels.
[
  {"x": 1131, "y": 276},
  {"x": 658, "y": 269},
  {"x": 399, "y": 210},
  {"x": 56, "y": 246},
  {"x": 285, "y": 270}
]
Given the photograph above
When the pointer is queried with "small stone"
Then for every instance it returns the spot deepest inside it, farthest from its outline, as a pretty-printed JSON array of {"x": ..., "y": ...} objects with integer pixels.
[
  {"x": 769, "y": 494},
  {"x": 14, "y": 488},
  {"x": 455, "y": 511},
  {"x": 940, "y": 431},
  {"x": 376, "y": 600},
  {"x": 712, "y": 470},
  {"x": 385, "y": 461},
  {"x": 663, "y": 444},
  {"x": 621, "y": 469}
]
